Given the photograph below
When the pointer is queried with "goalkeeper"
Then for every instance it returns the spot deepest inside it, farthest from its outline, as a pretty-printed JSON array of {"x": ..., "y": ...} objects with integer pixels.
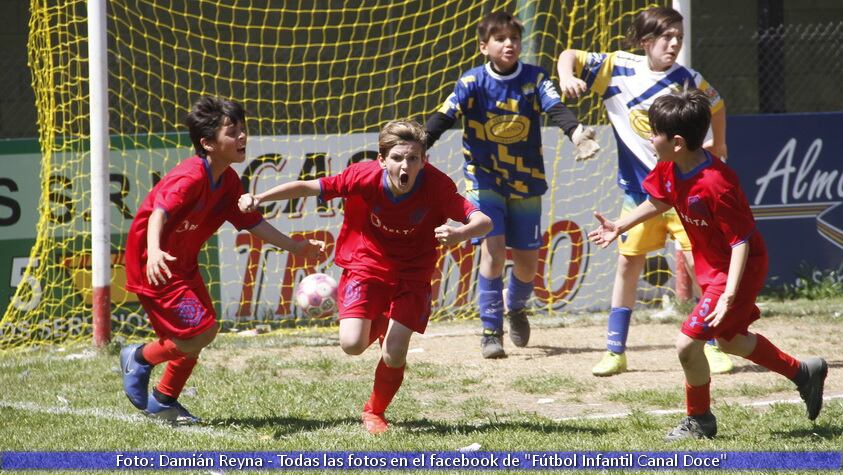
[{"x": 501, "y": 103}]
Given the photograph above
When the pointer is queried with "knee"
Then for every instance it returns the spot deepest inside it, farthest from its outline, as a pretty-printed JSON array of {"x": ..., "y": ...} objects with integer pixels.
[
  {"x": 193, "y": 346},
  {"x": 394, "y": 360},
  {"x": 686, "y": 350},
  {"x": 352, "y": 347},
  {"x": 495, "y": 258}
]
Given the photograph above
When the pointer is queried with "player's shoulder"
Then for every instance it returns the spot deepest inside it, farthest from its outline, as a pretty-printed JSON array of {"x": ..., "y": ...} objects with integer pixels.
[
  {"x": 720, "y": 177},
  {"x": 437, "y": 177},
  {"x": 191, "y": 169},
  {"x": 363, "y": 171},
  {"x": 472, "y": 76}
]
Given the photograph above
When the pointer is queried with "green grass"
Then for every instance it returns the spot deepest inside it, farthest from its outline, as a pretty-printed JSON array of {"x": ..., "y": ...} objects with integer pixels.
[{"x": 254, "y": 395}]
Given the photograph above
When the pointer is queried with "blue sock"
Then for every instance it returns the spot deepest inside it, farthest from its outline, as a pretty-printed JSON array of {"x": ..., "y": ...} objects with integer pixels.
[
  {"x": 618, "y": 329},
  {"x": 519, "y": 292},
  {"x": 490, "y": 300}
]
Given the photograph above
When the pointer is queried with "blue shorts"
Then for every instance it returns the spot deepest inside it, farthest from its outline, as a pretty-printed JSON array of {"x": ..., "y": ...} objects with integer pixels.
[{"x": 518, "y": 219}]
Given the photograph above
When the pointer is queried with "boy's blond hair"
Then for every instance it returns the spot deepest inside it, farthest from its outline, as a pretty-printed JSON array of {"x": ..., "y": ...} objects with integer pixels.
[{"x": 400, "y": 131}]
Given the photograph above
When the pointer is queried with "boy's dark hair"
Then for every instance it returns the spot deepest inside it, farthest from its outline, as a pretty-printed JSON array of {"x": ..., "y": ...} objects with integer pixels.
[
  {"x": 398, "y": 131},
  {"x": 651, "y": 23},
  {"x": 686, "y": 113},
  {"x": 206, "y": 117},
  {"x": 496, "y": 21}
]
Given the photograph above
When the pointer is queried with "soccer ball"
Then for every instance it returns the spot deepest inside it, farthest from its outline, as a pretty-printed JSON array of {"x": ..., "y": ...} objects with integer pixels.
[{"x": 316, "y": 295}]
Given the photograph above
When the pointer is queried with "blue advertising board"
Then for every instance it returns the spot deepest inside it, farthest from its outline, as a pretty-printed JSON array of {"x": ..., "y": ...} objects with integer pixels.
[{"x": 791, "y": 168}]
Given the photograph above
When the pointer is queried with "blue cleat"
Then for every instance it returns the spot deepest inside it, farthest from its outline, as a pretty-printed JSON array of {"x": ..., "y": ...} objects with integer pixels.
[
  {"x": 135, "y": 377},
  {"x": 173, "y": 413}
]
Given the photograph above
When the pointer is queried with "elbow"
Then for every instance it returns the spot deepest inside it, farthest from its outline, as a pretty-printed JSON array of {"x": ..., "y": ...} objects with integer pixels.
[{"x": 485, "y": 226}]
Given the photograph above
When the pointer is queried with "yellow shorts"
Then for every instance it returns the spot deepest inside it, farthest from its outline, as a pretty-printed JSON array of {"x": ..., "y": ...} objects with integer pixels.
[{"x": 650, "y": 235}]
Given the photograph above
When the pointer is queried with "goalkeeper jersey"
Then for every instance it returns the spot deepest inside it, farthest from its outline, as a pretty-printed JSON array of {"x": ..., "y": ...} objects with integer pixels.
[
  {"x": 628, "y": 88},
  {"x": 502, "y": 128}
]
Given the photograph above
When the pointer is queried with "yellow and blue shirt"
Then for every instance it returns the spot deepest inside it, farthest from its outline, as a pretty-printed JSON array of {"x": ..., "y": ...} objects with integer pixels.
[{"x": 502, "y": 128}]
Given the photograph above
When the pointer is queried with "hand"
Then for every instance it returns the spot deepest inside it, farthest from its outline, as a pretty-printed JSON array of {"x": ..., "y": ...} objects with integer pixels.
[
  {"x": 586, "y": 146},
  {"x": 572, "y": 87},
  {"x": 724, "y": 303},
  {"x": 248, "y": 202},
  {"x": 605, "y": 234},
  {"x": 156, "y": 266},
  {"x": 447, "y": 235},
  {"x": 309, "y": 249}
]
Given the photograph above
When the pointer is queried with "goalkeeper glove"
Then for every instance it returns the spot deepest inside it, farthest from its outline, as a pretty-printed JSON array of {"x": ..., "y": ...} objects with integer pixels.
[{"x": 586, "y": 146}]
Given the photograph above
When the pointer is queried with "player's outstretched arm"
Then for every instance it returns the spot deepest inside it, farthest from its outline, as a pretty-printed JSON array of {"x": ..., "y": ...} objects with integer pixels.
[
  {"x": 294, "y": 189},
  {"x": 478, "y": 225},
  {"x": 305, "y": 248},
  {"x": 610, "y": 230},
  {"x": 570, "y": 86}
]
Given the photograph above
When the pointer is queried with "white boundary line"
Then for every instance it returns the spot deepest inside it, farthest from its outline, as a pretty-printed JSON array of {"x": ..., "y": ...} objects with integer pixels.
[{"x": 661, "y": 412}]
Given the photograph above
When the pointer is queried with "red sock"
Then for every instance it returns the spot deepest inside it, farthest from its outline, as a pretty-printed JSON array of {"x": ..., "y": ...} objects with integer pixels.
[
  {"x": 160, "y": 351},
  {"x": 767, "y": 355},
  {"x": 387, "y": 382},
  {"x": 175, "y": 376},
  {"x": 698, "y": 399}
]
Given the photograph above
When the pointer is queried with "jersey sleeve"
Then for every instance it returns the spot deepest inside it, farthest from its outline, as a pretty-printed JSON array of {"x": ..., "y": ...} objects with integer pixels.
[
  {"x": 341, "y": 185},
  {"x": 457, "y": 103},
  {"x": 595, "y": 69},
  {"x": 733, "y": 216},
  {"x": 654, "y": 184},
  {"x": 233, "y": 215},
  {"x": 713, "y": 96},
  {"x": 177, "y": 193},
  {"x": 454, "y": 205},
  {"x": 548, "y": 95}
]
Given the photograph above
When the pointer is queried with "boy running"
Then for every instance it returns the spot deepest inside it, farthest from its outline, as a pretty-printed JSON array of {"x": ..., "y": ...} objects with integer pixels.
[
  {"x": 730, "y": 256},
  {"x": 395, "y": 208},
  {"x": 501, "y": 103},
  {"x": 181, "y": 212},
  {"x": 628, "y": 84}
]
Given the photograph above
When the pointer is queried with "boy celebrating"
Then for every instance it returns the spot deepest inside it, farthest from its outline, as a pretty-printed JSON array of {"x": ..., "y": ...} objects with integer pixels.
[
  {"x": 395, "y": 213},
  {"x": 730, "y": 256},
  {"x": 504, "y": 168},
  {"x": 629, "y": 84},
  {"x": 181, "y": 212}
]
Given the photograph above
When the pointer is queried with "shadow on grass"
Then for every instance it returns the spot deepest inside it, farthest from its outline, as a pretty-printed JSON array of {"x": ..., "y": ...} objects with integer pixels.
[
  {"x": 548, "y": 350},
  {"x": 442, "y": 428},
  {"x": 286, "y": 426},
  {"x": 820, "y": 430}
]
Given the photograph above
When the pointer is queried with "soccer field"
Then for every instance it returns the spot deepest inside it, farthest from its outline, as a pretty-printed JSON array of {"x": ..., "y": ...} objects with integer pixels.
[{"x": 299, "y": 391}]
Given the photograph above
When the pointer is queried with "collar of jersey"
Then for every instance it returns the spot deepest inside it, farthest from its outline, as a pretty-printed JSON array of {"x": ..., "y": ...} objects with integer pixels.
[
  {"x": 695, "y": 170},
  {"x": 210, "y": 175},
  {"x": 503, "y": 78},
  {"x": 397, "y": 199}
]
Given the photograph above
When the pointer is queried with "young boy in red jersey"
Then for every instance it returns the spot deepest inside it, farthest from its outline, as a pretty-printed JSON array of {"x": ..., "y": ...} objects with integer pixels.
[
  {"x": 395, "y": 213},
  {"x": 181, "y": 212},
  {"x": 729, "y": 252}
]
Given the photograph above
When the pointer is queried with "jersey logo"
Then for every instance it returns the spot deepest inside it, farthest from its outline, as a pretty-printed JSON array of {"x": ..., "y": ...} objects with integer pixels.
[
  {"x": 418, "y": 215},
  {"x": 507, "y": 128},
  {"x": 186, "y": 226},
  {"x": 640, "y": 123},
  {"x": 697, "y": 207},
  {"x": 352, "y": 293},
  {"x": 668, "y": 185},
  {"x": 376, "y": 222}
]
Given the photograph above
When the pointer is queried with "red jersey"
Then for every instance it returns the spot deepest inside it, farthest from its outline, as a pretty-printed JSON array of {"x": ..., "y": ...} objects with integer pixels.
[
  {"x": 195, "y": 209},
  {"x": 715, "y": 214},
  {"x": 387, "y": 236}
]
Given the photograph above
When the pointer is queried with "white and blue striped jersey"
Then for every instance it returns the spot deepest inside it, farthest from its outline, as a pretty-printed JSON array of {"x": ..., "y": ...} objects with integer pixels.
[{"x": 628, "y": 88}]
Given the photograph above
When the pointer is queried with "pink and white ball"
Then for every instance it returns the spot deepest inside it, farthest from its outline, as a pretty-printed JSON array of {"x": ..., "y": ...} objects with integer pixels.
[{"x": 316, "y": 295}]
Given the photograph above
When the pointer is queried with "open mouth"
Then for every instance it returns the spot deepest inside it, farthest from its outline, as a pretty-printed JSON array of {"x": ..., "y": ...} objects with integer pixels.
[{"x": 404, "y": 178}]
